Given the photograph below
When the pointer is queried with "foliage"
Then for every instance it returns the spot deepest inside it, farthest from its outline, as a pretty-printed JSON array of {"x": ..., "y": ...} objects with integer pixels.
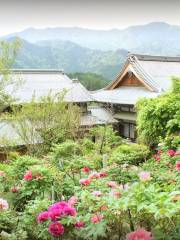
[
  {"x": 80, "y": 192},
  {"x": 160, "y": 116},
  {"x": 129, "y": 154},
  {"x": 44, "y": 122},
  {"x": 91, "y": 81},
  {"x": 8, "y": 52}
]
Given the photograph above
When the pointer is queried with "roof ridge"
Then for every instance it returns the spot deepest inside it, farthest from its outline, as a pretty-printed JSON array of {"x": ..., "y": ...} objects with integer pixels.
[
  {"x": 60, "y": 71},
  {"x": 144, "y": 57}
]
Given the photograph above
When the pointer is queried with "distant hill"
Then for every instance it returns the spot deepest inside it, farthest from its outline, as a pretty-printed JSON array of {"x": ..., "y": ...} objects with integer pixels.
[
  {"x": 157, "y": 38},
  {"x": 70, "y": 57}
]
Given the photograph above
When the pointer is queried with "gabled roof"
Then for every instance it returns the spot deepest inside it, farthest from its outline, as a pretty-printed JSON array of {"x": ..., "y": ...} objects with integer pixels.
[
  {"x": 42, "y": 82},
  {"x": 154, "y": 72}
]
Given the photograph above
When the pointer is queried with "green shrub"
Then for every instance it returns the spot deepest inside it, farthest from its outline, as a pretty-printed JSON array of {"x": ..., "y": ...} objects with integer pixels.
[{"x": 130, "y": 154}]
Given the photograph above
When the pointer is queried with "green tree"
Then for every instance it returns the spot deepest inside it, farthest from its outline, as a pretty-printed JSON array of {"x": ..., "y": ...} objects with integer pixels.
[
  {"x": 91, "y": 81},
  {"x": 8, "y": 52},
  {"x": 159, "y": 117},
  {"x": 45, "y": 121}
]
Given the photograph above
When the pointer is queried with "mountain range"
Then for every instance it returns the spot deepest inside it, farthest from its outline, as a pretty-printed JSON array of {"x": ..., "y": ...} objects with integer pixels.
[{"x": 100, "y": 51}]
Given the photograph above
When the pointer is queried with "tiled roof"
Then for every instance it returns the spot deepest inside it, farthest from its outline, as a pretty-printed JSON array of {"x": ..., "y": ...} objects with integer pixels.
[
  {"x": 42, "y": 82},
  {"x": 123, "y": 95},
  {"x": 155, "y": 71}
]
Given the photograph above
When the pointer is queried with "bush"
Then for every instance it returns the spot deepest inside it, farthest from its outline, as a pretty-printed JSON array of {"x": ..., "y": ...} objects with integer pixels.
[{"x": 129, "y": 154}]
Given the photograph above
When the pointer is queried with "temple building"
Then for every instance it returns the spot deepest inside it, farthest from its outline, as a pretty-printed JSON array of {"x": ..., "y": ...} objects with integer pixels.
[
  {"x": 141, "y": 76},
  {"x": 40, "y": 83}
]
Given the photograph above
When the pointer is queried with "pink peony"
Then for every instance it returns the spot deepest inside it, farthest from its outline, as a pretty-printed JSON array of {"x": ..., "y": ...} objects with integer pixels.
[
  {"x": 112, "y": 184},
  {"x": 28, "y": 176},
  {"x": 56, "y": 229},
  {"x": 79, "y": 224},
  {"x": 84, "y": 181},
  {"x": 96, "y": 218},
  {"x": 103, "y": 208},
  {"x": 178, "y": 165},
  {"x": 55, "y": 214},
  {"x": 14, "y": 190},
  {"x": 86, "y": 170},
  {"x": 70, "y": 211},
  {"x": 171, "y": 152},
  {"x": 58, "y": 205},
  {"x": 157, "y": 157},
  {"x": 139, "y": 234},
  {"x": 94, "y": 175},
  {"x": 97, "y": 193},
  {"x": 3, "y": 204},
  {"x": 72, "y": 201},
  {"x": 43, "y": 216},
  {"x": 144, "y": 176}
]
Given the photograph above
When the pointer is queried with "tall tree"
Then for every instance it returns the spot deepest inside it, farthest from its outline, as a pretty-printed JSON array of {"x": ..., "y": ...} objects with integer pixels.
[{"x": 8, "y": 52}]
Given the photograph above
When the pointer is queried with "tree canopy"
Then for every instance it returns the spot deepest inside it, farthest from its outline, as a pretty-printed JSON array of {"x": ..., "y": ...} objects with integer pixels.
[{"x": 160, "y": 116}]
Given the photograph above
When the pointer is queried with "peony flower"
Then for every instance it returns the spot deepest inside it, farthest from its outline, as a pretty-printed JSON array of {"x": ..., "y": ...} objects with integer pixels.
[
  {"x": 103, "y": 208},
  {"x": 97, "y": 193},
  {"x": 56, "y": 229},
  {"x": 94, "y": 175},
  {"x": 103, "y": 174},
  {"x": 14, "y": 190},
  {"x": 178, "y": 165},
  {"x": 84, "y": 181},
  {"x": 112, "y": 184},
  {"x": 70, "y": 211},
  {"x": 79, "y": 224},
  {"x": 144, "y": 176},
  {"x": 157, "y": 157},
  {"x": 43, "y": 216},
  {"x": 171, "y": 152},
  {"x": 139, "y": 234},
  {"x": 28, "y": 176},
  {"x": 72, "y": 201},
  {"x": 55, "y": 214},
  {"x": 96, "y": 218},
  {"x": 86, "y": 169},
  {"x": 3, "y": 204},
  {"x": 58, "y": 205}
]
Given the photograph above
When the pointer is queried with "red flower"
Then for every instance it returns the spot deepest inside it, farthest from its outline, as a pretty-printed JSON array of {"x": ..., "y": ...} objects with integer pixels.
[
  {"x": 56, "y": 229},
  {"x": 103, "y": 174},
  {"x": 139, "y": 234},
  {"x": 14, "y": 190},
  {"x": 70, "y": 211},
  {"x": 157, "y": 157},
  {"x": 94, "y": 175},
  {"x": 96, "y": 218},
  {"x": 43, "y": 216},
  {"x": 55, "y": 214},
  {"x": 171, "y": 153},
  {"x": 28, "y": 176},
  {"x": 79, "y": 224},
  {"x": 84, "y": 181},
  {"x": 86, "y": 170},
  {"x": 178, "y": 165}
]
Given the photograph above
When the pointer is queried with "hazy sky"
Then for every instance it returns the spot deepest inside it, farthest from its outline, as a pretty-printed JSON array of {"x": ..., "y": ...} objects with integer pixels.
[{"x": 16, "y": 15}]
